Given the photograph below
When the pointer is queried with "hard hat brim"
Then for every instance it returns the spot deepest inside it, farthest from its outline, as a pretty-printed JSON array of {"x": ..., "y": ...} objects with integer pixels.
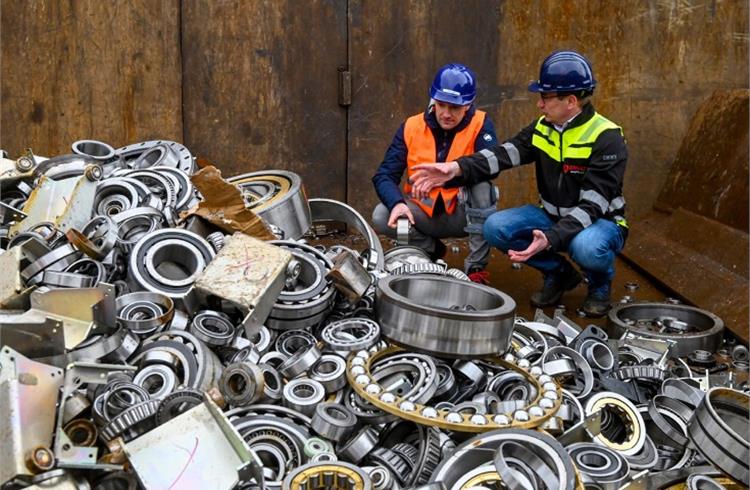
[
  {"x": 449, "y": 98},
  {"x": 535, "y": 86}
]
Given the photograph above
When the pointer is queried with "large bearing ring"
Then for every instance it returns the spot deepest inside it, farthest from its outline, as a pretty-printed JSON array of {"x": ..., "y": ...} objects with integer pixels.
[
  {"x": 278, "y": 197},
  {"x": 328, "y": 209},
  {"x": 719, "y": 430},
  {"x": 444, "y": 316},
  {"x": 691, "y": 328},
  {"x": 169, "y": 261},
  {"x": 540, "y": 409}
]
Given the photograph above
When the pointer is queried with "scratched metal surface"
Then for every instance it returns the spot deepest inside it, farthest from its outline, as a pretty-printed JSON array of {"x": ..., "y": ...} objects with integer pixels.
[{"x": 244, "y": 271}]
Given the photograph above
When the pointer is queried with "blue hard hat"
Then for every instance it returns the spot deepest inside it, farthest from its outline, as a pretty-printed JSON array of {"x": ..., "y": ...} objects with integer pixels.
[
  {"x": 455, "y": 84},
  {"x": 564, "y": 71}
]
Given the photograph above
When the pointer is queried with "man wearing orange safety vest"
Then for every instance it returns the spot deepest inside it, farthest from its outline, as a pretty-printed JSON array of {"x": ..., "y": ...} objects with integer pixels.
[{"x": 451, "y": 127}]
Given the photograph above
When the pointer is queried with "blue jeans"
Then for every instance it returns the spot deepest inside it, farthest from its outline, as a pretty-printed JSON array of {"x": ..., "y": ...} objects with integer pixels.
[{"x": 593, "y": 248}]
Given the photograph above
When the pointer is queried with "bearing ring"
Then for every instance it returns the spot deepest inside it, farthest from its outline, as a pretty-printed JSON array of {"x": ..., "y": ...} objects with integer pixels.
[
  {"x": 242, "y": 384},
  {"x": 330, "y": 371},
  {"x": 333, "y": 421},
  {"x": 303, "y": 395}
]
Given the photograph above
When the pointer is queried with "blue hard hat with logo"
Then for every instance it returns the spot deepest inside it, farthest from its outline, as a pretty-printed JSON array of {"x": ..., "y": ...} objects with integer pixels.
[
  {"x": 564, "y": 71},
  {"x": 455, "y": 84}
]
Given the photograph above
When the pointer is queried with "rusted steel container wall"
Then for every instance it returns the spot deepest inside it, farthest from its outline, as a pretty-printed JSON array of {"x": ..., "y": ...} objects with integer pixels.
[
  {"x": 252, "y": 84},
  {"x": 88, "y": 70}
]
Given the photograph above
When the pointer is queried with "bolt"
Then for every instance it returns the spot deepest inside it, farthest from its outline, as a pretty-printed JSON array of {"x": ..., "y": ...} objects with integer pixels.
[
  {"x": 93, "y": 172},
  {"x": 740, "y": 353},
  {"x": 24, "y": 164},
  {"x": 40, "y": 459},
  {"x": 632, "y": 286}
]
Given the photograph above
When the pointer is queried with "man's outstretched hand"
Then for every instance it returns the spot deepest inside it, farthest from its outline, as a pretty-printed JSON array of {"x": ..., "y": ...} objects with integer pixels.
[
  {"x": 399, "y": 210},
  {"x": 431, "y": 175},
  {"x": 538, "y": 244}
]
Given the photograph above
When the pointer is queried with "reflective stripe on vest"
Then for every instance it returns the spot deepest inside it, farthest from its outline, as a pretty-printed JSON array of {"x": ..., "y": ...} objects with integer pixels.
[
  {"x": 577, "y": 142},
  {"x": 421, "y": 148}
]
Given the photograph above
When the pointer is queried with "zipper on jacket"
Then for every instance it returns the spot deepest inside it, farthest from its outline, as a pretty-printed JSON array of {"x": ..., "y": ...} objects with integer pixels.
[{"x": 560, "y": 176}]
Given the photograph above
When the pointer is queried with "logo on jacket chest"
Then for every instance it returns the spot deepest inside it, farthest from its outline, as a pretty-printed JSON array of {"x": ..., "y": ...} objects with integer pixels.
[{"x": 569, "y": 168}]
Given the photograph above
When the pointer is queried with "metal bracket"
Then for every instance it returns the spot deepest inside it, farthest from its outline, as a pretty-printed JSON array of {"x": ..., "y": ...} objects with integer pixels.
[{"x": 68, "y": 455}]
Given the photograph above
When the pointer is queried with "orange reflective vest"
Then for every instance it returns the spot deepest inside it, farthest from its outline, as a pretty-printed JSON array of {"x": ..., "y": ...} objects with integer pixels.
[{"x": 420, "y": 144}]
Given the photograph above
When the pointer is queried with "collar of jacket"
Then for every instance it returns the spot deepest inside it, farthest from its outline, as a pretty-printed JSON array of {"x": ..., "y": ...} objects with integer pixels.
[
  {"x": 586, "y": 113},
  {"x": 431, "y": 119}
]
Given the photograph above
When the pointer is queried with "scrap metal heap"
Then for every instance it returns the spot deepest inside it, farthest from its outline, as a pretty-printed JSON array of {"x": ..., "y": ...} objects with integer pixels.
[{"x": 164, "y": 328}]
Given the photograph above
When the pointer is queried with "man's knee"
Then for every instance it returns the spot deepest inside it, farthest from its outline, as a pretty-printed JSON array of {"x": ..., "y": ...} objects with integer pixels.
[
  {"x": 590, "y": 253},
  {"x": 497, "y": 232}
]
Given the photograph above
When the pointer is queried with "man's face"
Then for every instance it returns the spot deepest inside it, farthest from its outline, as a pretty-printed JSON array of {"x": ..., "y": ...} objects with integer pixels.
[
  {"x": 449, "y": 115},
  {"x": 557, "y": 110}
]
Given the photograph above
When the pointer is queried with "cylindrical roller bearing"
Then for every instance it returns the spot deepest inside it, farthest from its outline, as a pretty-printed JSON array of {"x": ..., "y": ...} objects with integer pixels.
[
  {"x": 213, "y": 327},
  {"x": 333, "y": 421},
  {"x": 444, "y": 316},
  {"x": 333, "y": 476},
  {"x": 719, "y": 430},
  {"x": 300, "y": 362},
  {"x": 242, "y": 384},
  {"x": 624, "y": 415},
  {"x": 359, "y": 445},
  {"x": 303, "y": 395},
  {"x": 273, "y": 382},
  {"x": 330, "y": 371}
]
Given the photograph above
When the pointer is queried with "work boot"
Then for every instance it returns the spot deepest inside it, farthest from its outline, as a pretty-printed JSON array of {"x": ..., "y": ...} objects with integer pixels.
[
  {"x": 439, "y": 252},
  {"x": 555, "y": 284},
  {"x": 597, "y": 302},
  {"x": 479, "y": 275}
]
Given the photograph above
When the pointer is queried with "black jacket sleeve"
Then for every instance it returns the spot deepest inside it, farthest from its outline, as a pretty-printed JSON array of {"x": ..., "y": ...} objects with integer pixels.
[{"x": 488, "y": 163}]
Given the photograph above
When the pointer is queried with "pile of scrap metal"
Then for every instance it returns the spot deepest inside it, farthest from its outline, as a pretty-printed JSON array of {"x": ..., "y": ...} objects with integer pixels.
[{"x": 144, "y": 344}]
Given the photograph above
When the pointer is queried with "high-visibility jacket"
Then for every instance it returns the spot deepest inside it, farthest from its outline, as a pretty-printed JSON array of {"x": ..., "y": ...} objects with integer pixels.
[
  {"x": 579, "y": 170},
  {"x": 420, "y": 144}
]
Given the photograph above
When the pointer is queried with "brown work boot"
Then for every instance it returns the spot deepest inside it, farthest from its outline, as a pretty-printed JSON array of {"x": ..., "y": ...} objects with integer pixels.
[{"x": 555, "y": 284}]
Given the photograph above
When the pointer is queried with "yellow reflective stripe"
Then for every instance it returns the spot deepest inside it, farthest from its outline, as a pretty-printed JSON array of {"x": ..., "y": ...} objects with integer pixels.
[
  {"x": 549, "y": 145},
  {"x": 576, "y": 152},
  {"x": 552, "y": 151},
  {"x": 622, "y": 222}
]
